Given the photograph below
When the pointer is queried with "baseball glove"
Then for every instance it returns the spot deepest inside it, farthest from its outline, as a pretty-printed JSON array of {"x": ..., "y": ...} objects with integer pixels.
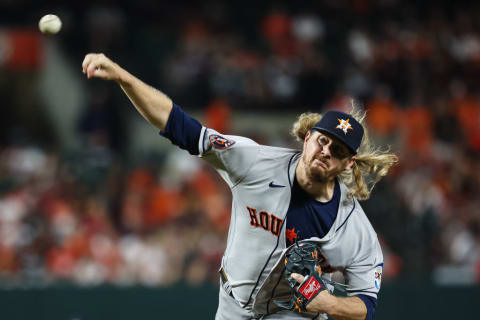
[{"x": 303, "y": 258}]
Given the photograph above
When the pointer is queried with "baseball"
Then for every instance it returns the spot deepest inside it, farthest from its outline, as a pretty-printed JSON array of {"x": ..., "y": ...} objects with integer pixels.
[{"x": 50, "y": 24}]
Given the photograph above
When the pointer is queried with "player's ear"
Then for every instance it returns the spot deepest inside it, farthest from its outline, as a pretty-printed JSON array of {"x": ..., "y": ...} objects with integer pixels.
[
  {"x": 350, "y": 163},
  {"x": 308, "y": 135}
]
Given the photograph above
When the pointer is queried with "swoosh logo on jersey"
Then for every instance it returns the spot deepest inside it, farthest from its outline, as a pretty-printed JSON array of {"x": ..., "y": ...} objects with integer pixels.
[{"x": 273, "y": 185}]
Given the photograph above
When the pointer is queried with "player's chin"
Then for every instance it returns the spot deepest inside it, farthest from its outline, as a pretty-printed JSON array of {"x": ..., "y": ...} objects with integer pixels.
[
  {"x": 318, "y": 166},
  {"x": 318, "y": 173},
  {"x": 317, "y": 163}
]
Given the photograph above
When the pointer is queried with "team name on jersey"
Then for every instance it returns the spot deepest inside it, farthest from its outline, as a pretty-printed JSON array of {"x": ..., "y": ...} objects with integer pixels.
[{"x": 265, "y": 220}]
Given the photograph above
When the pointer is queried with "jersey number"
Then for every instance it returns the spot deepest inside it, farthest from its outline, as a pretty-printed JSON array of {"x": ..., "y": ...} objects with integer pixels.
[{"x": 265, "y": 220}]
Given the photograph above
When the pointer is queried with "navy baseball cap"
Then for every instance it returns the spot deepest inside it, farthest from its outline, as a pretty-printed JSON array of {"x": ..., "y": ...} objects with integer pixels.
[{"x": 342, "y": 126}]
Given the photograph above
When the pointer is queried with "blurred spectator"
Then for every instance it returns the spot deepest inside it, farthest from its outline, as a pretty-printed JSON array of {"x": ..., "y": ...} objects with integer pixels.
[{"x": 100, "y": 122}]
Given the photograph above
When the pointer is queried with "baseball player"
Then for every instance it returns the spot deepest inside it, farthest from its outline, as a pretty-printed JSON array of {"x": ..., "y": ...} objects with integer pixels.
[{"x": 281, "y": 196}]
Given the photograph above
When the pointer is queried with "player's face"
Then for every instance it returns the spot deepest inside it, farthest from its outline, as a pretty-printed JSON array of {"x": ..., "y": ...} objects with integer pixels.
[{"x": 324, "y": 156}]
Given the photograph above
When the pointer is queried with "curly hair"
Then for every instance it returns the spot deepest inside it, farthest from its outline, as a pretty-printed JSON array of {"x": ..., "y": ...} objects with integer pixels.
[{"x": 371, "y": 163}]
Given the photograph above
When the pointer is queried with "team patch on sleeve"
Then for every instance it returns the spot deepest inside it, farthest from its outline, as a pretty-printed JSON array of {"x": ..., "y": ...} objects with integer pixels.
[
  {"x": 219, "y": 142},
  {"x": 378, "y": 275}
]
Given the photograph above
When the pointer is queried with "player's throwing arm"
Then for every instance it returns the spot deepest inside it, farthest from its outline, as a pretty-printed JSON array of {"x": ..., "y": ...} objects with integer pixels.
[{"x": 152, "y": 104}]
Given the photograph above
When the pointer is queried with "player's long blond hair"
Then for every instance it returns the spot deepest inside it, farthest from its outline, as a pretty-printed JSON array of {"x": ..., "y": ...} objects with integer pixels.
[{"x": 371, "y": 163}]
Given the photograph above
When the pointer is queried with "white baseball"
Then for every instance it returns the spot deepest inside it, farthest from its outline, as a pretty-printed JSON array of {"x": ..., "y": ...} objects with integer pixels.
[{"x": 50, "y": 24}]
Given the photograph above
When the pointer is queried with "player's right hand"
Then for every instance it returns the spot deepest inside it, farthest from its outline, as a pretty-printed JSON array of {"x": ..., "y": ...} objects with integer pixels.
[
  {"x": 97, "y": 65},
  {"x": 319, "y": 304}
]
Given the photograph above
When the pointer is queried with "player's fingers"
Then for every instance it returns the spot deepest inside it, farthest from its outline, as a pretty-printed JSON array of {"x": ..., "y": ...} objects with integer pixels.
[
  {"x": 100, "y": 73},
  {"x": 93, "y": 67},
  {"x": 86, "y": 61},
  {"x": 297, "y": 277},
  {"x": 99, "y": 59},
  {"x": 99, "y": 63}
]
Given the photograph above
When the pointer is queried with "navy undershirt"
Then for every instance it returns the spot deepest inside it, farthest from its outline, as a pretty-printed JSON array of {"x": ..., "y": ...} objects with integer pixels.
[
  {"x": 370, "y": 303},
  {"x": 182, "y": 130},
  {"x": 306, "y": 217}
]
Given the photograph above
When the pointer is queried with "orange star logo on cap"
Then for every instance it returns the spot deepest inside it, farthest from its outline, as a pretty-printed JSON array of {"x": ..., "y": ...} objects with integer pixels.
[{"x": 344, "y": 125}]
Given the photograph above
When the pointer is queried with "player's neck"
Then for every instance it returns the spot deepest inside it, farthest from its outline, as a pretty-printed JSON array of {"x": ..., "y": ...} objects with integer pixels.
[{"x": 321, "y": 190}]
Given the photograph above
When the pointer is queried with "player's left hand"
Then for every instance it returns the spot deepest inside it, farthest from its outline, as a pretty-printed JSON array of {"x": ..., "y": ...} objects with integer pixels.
[{"x": 321, "y": 303}]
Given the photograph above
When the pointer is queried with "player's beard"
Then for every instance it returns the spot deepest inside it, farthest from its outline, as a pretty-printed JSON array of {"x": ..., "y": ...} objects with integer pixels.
[{"x": 317, "y": 172}]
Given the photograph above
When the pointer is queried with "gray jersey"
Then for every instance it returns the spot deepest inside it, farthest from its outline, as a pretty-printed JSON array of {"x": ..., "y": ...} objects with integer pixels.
[{"x": 260, "y": 178}]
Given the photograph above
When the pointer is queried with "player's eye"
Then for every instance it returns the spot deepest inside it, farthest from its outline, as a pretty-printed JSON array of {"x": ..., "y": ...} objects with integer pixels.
[
  {"x": 323, "y": 141},
  {"x": 339, "y": 151}
]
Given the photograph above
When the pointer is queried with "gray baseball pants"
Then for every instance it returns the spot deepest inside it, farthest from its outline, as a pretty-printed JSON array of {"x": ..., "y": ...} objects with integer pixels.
[{"x": 228, "y": 309}]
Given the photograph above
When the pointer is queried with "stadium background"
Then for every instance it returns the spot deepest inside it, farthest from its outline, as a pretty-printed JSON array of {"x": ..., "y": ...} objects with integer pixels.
[{"x": 100, "y": 218}]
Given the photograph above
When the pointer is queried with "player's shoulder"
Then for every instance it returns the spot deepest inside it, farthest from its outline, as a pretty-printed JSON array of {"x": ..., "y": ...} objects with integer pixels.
[
  {"x": 360, "y": 214},
  {"x": 212, "y": 140},
  {"x": 352, "y": 214},
  {"x": 362, "y": 225},
  {"x": 271, "y": 150},
  {"x": 220, "y": 142}
]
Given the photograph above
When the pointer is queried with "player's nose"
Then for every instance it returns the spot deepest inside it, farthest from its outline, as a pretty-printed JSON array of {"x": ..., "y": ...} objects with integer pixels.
[{"x": 325, "y": 151}]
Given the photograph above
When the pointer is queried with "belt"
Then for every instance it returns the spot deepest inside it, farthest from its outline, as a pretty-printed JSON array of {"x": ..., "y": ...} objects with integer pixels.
[
  {"x": 228, "y": 289},
  {"x": 225, "y": 283}
]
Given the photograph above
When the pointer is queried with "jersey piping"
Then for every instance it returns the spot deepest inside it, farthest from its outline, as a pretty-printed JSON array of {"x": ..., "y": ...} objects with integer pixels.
[
  {"x": 354, "y": 204},
  {"x": 357, "y": 291},
  {"x": 273, "y": 291},
  {"x": 288, "y": 169},
  {"x": 263, "y": 269},
  {"x": 278, "y": 240}
]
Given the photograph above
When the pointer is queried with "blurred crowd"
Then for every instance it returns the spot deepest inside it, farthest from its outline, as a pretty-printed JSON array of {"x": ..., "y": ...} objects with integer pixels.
[
  {"x": 90, "y": 216},
  {"x": 85, "y": 218}
]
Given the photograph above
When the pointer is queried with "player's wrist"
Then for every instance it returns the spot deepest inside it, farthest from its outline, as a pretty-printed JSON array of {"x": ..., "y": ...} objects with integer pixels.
[
  {"x": 345, "y": 307},
  {"x": 123, "y": 78},
  {"x": 327, "y": 304}
]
